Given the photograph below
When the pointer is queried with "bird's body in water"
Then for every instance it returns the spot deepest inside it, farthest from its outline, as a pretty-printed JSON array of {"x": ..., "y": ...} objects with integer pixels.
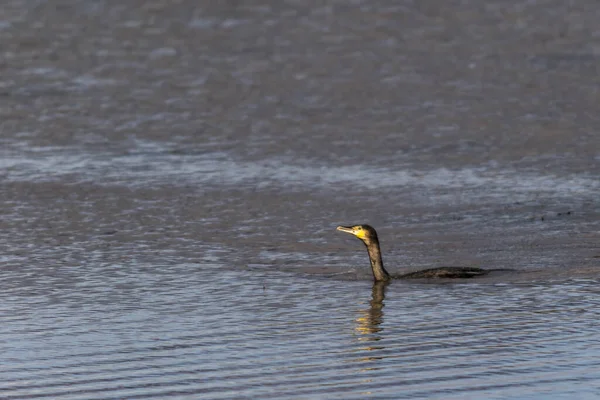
[{"x": 368, "y": 236}]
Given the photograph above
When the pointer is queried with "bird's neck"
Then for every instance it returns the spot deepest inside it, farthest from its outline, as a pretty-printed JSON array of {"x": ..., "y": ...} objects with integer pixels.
[{"x": 379, "y": 273}]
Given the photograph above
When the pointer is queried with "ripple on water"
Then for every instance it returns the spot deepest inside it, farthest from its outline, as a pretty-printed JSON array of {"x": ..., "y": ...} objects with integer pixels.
[
  {"x": 199, "y": 330},
  {"x": 153, "y": 163}
]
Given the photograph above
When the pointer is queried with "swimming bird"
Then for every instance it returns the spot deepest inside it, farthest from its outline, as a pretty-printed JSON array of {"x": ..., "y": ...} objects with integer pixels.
[{"x": 368, "y": 235}]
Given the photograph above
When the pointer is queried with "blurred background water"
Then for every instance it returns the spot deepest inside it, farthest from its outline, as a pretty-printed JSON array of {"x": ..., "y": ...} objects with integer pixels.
[{"x": 172, "y": 173}]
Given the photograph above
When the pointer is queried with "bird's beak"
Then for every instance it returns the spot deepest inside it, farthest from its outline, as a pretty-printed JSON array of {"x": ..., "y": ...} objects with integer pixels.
[{"x": 346, "y": 229}]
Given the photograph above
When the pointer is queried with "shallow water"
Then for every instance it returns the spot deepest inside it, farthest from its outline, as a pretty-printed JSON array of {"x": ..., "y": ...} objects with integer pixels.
[
  {"x": 171, "y": 176},
  {"x": 195, "y": 330}
]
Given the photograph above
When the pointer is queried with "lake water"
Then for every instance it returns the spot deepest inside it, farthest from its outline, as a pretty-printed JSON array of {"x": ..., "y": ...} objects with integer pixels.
[{"x": 171, "y": 176}]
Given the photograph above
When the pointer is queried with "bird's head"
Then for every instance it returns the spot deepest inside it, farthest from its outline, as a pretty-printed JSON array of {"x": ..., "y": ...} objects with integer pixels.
[{"x": 366, "y": 233}]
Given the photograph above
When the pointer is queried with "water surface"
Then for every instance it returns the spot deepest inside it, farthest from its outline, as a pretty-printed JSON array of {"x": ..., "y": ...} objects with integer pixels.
[{"x": 171, "y": 176}]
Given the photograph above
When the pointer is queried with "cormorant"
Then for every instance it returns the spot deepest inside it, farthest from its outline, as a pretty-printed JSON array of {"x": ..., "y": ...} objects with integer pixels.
[{"x": 368, "y": 235}]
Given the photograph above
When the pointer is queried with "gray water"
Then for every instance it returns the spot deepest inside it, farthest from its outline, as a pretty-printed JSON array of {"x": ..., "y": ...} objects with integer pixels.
[{"x": 171, "y": 176}]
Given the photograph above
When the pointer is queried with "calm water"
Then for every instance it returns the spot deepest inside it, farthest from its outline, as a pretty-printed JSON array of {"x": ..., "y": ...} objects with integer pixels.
[{"x": 171, "y": 176}]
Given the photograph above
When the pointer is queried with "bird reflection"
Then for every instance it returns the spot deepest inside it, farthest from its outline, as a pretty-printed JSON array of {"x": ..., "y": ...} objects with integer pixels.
[
  {"x": 371, "y": 318},
  {"x": 368, "y": 324}
]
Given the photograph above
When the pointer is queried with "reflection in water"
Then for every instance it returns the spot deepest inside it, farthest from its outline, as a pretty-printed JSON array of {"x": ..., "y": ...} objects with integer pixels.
[
  {"x": 371, "y": 318},
  {"x": 368, "y": 325}
]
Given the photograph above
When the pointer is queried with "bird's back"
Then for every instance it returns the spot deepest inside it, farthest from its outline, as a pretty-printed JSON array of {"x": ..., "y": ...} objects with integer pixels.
[{"x": 445, "y": 272}]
